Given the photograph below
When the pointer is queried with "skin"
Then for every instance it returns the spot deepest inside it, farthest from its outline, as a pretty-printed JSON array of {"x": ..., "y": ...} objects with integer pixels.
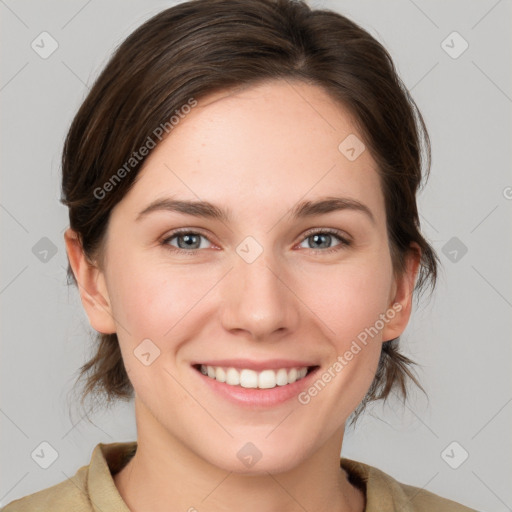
[{"x": 257, "y": 152}]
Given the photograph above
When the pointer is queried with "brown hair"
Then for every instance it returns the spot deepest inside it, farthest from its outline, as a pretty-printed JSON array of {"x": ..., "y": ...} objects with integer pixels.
[{"x": 203, "y": 46}]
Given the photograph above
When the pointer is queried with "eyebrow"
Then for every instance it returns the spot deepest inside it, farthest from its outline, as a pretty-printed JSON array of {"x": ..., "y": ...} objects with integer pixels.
[{"x": 302, "y": 210}]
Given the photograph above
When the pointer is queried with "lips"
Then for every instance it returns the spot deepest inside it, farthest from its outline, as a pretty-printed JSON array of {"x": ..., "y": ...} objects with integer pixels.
[{"x": 265, "y": 394}]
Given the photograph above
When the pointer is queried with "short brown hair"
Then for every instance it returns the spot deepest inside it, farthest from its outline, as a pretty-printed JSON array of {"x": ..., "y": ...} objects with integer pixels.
[{"x": 205, "y": 46}]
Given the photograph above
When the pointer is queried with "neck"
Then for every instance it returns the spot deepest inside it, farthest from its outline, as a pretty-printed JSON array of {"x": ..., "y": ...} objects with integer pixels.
[{"x": 166, "y": 476}]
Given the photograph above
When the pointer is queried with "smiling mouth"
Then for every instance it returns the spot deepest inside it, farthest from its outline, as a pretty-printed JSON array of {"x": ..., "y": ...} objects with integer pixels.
[{"x": 246, "y": 378}]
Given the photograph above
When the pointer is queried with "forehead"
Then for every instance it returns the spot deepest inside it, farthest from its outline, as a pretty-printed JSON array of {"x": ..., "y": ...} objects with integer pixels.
[{"x": 262, "y": 146}]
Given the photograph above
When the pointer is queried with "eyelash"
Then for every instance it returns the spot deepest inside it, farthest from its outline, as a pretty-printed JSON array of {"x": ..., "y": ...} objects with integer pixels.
[{"x": 344, "y": 242}]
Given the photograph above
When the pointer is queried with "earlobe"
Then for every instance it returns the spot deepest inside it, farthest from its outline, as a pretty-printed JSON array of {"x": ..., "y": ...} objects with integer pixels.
[
  {"x": 91, "y": 285},
  {"x": 400, "y": 306}
]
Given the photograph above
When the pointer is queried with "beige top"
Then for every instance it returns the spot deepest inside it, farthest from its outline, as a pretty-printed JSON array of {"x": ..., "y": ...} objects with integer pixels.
[{"x": 92, "y": 488}]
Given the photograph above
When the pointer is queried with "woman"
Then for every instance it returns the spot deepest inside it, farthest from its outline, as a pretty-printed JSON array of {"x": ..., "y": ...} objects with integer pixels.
[{"x": 244, "y": 235}]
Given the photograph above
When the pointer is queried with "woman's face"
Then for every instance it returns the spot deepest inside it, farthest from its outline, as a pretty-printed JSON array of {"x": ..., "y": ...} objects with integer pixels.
[{"x": 256, "y": 290}]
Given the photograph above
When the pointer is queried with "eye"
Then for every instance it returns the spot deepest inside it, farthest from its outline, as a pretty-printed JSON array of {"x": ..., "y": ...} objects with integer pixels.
[
  {"x": 322, "y": 238},
  {"x": 187, "y": 241}
]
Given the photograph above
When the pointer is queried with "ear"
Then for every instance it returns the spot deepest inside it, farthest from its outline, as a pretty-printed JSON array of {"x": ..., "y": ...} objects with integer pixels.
[
  {"x": 91, "y": 285},
  {"x": 402, "y": 295}
]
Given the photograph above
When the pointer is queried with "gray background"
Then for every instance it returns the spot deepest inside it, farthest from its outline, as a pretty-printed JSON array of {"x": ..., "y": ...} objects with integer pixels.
[{"x": 461, "y": 338}]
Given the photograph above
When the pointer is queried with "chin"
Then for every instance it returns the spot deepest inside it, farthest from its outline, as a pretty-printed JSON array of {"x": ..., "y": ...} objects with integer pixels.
[{"x": 257, "y": 458}]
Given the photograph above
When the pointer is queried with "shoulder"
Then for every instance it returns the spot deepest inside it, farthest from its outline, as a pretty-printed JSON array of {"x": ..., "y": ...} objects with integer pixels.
[
  {"x": 92, "y": 487},
  {"x": 386, "y": 494},
  {"x": 423, "y": 500},
  {"x": 71, "y": 494}
]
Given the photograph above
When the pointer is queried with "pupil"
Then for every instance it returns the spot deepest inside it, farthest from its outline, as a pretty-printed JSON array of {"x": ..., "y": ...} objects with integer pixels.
[
  {"x": 317, "y": 237},
  {"x": 187, "y": 238}
]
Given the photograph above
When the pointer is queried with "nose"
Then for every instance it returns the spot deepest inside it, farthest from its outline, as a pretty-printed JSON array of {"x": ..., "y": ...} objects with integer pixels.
[{"x": 259, "y": 298}]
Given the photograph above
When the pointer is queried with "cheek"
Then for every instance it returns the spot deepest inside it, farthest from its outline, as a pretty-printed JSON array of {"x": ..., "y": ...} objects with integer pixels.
[
  {"x": 156, "y": 303},
  {"x": 151, "y": 299},
  {"x": 349, "y": 301},
  {"x": 349, "y": 298}
]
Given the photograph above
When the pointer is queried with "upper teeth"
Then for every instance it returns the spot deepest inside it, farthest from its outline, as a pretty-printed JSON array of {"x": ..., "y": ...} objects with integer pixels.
[{"x": 250, "y": 379}]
